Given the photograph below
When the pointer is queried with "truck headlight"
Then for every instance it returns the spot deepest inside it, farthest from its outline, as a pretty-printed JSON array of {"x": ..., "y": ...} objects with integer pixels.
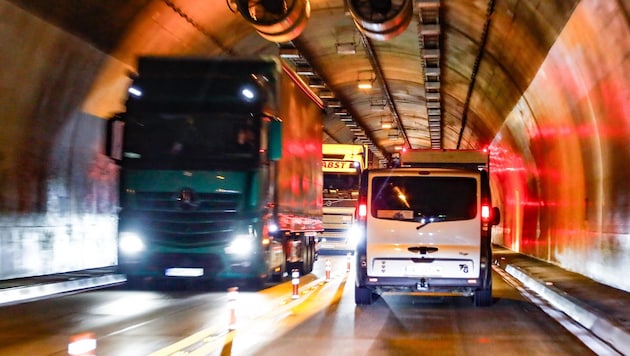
[
  {"x": 130, "y": 243},
  {"x": 241, "y": 245}
]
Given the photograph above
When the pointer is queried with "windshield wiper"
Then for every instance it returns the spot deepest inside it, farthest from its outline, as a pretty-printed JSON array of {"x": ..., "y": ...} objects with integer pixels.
[{"x": 424, "y": 221}]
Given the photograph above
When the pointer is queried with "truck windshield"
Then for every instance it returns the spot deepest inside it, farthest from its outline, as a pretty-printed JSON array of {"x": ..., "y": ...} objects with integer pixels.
[
  {"x": 424, "y": 199},
  {"x": 339, "y": 187},
  {"x": 186, "y": 141}
]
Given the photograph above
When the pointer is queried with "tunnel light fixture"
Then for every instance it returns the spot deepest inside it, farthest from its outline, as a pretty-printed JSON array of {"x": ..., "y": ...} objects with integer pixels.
[
  {"x": 304, "y": 70},
  {"x": 364, "y": 84},
  {"x": 248, "y": 94},
  {"x": 135, "y": 91},
  {"x": 387, "y": 123},
  {"x": 430, "y": 53},
  {"x": 316, "y": 83},
  {"x": 435, "y": 119},
  {"x": 433, "y": 96},
  {"x": 334, "y": 104},
  {"x": 428, "y": 3},
  {"x": 430, "y": 30},
  {"x": 346, "y": 48},
  {"x": 326, "y": 94},
  {"x": 289, "y": 53},
  {"x": 365, "y": 79},
  {"x": 431, "y": 72},
  {"x": 432, "y": 85}
]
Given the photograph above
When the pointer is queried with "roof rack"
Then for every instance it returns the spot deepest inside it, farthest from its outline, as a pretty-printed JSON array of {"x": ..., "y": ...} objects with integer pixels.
[{"x": 470, "y": 159}]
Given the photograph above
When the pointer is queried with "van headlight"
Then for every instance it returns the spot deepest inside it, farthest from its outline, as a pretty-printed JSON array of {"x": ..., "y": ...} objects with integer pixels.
[
  {"x": 130, "y": 243},
  {"x": 241, "y": 245}
]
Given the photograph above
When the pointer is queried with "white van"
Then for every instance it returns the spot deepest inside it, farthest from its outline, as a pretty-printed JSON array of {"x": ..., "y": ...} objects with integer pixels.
[{"x": 426, "y": 227}]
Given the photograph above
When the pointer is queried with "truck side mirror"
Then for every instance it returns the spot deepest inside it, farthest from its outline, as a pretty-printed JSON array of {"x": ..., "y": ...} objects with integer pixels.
[
  {"x": 274, "y": 150},
  {"x": 496, "y": 216},
  {"x": 114, "y": 137}
]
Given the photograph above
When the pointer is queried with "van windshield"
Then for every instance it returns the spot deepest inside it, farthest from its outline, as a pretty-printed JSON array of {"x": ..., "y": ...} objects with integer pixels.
[{"x": 424, "y": 199}]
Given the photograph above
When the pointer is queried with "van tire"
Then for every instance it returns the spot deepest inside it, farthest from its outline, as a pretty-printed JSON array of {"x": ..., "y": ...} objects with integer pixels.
[
  {"x": 363, "y": 296},
  {"x": 483, "y": 297}
]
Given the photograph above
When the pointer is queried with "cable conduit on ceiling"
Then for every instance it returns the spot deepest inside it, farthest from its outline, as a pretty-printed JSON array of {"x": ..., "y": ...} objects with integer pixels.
[{"x": 473, "y": 77}]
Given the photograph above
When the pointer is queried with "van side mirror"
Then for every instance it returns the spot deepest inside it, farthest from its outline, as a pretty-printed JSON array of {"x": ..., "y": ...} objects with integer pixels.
[
  {"x": 274, "y": 148},
  {"x": 496, "y": 216}
]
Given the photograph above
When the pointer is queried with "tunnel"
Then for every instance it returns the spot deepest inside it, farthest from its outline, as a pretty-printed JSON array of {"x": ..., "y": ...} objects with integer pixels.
[{"x": 546, "y": 92}]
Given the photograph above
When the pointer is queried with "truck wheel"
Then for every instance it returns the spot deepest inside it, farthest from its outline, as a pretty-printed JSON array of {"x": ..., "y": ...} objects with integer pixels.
[
  {"x": 256, "y": 284},
  {"x": 278, "y": 276},
  {"x": 309, "y": 260},
  {"x": 135, "y": 283},
  {"x": 363, "y": 296}
]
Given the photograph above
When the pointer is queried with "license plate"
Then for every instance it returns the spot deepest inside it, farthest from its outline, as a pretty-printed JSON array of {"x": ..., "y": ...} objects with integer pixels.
[
  {"x": 422, "y": 270},
  {"x": 184, "y": 272}
]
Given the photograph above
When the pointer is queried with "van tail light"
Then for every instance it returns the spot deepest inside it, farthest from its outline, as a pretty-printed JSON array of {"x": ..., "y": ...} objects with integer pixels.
[
  {"x": 362, "y": 211},
  {"x": 485, "y": 213}
]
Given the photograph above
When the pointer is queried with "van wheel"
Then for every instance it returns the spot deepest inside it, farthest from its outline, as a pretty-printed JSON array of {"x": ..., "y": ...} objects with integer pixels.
[
  {"x": 483, "y": 297},
  {"x": 363, "y": 296}
]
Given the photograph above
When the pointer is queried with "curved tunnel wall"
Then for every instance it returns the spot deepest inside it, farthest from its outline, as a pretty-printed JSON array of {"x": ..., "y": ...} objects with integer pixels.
[
  {"x": 57, "y": 189},
  {"x": 563, "y": 155},
  {"x": 561, "y": 173}
]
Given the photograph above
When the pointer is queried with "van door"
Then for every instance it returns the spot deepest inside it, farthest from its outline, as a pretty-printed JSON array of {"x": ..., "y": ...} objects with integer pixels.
[{"x": 428, "y": 214}]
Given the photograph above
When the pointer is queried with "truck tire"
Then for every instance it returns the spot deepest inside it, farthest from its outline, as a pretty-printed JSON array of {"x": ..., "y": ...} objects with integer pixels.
[
  {"x": 309, "y": 262},
  {"x": 278, "y": 276},
  {"x": 256, "y": 284},
  {"x": 363, "y": 296}
]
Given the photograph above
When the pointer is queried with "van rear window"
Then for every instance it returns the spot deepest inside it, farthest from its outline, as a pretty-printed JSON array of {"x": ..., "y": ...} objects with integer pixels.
[{"x": 424, "y": 199}]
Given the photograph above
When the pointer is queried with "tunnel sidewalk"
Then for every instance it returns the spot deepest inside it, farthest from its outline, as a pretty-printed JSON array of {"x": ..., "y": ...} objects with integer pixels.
[
  {"x": 19, "y": 290},
  {"x": 604, "y": 310}
]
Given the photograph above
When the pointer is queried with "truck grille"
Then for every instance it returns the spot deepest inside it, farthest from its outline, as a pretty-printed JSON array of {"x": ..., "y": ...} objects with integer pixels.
[{"x": 204, "y": 220}]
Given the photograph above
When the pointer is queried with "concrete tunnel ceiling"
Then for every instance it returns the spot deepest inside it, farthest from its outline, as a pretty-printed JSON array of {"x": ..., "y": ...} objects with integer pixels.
[
  {"x": 472, "y": 59},
  {"x": 541, "y": 83}
]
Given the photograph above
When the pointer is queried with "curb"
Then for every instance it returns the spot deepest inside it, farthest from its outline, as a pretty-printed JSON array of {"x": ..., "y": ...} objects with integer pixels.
[
  {"x": 21, "y": 294},
  {"x": 605, "y": 329}
]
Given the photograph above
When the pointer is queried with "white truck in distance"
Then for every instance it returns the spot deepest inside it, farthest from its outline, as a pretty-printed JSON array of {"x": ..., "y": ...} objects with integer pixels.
[{"x": 342, "y": 167}]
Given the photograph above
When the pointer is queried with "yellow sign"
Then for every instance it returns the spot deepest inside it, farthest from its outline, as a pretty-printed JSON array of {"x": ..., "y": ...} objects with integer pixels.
[{"x": 339, "y": 166}]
